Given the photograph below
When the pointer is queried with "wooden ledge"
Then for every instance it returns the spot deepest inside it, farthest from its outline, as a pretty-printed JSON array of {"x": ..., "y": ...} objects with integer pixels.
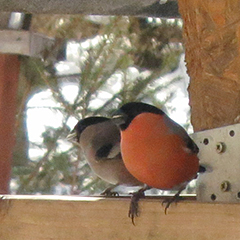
[{"x": 53, "y": 217}]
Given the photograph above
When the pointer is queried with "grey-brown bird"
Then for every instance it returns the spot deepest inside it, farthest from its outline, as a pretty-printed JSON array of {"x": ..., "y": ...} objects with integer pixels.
[{"x": 99, "y": 139}]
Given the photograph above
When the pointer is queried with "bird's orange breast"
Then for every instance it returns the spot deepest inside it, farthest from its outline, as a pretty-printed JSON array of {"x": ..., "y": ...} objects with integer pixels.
[{"x": 155, "y": 155}]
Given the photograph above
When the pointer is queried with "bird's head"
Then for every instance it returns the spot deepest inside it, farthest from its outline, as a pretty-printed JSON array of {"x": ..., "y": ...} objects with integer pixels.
[
  {"x": 75, "y": 134},
  {"x": 125, "y": 114}
]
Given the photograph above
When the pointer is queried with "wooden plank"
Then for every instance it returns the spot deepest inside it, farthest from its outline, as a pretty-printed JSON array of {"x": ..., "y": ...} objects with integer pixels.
[
  {"x": 212, "y": 43},
  {"x": 151, "y": 8},
  {"x": 9, "y": 71},
  {"x": 99, "y": 218},
  {"x": 24, "y": 43}
]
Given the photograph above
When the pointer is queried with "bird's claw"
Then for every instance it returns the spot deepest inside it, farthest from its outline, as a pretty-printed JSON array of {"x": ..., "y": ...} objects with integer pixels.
[
  {"x": 134, "y": 207},
  {"x": 169, "y": 201},
  {"x": 109, "y": 193}
]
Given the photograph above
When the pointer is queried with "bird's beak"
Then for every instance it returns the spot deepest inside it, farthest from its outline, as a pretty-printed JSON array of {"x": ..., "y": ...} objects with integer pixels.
[
  {"x": 119, "y": 118},
  {"x": 72, "y": 136}
]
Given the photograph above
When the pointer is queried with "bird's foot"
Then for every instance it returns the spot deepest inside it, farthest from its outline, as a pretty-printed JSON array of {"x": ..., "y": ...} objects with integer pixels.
[
  {"x": 109, "y": 193},
  {"x": 171, "y": 200},
  {"x": 134, "y": 207}
]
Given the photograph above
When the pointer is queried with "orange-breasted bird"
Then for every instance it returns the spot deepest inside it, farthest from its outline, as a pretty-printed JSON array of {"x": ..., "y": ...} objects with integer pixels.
[
  {"x": 99, "y": 139},
  {"x": 155, "y": 149}
]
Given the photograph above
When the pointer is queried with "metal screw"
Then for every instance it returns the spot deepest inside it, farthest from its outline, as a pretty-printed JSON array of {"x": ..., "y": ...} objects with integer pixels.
[
  {"x": 220, "y": 147},
  {"x": 225, "y": 186}
]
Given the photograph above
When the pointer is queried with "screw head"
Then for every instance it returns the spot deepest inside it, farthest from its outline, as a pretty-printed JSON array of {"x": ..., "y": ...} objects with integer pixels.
[
  {"x": 220, "y": 147},
  {"x": 225, "y": 186}
]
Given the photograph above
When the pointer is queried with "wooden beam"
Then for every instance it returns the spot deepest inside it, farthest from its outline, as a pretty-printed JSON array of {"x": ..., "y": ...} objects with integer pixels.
[
  {"x": 212, "y": 43},
  {"x": 35, "y": 217},
  {"x": 151, "y": 8},
  {"x": 9, "y": 71}
]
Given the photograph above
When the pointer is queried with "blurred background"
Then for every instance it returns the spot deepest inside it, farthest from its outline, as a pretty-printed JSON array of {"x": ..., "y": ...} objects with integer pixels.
[{"x": 96, "y": 64}]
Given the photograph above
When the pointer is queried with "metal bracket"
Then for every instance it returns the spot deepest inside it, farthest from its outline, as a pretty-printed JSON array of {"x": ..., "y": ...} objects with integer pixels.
[
  {"x": 24, "y": 43},
  {"x": 219, "y": 152}
]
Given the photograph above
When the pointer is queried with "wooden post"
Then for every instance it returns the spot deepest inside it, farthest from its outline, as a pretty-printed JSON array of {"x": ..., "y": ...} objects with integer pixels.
[
  {"x": 212, "y": 42},
  {"x": 12, "y": 44},
  {"x": 9, "y": 71}
]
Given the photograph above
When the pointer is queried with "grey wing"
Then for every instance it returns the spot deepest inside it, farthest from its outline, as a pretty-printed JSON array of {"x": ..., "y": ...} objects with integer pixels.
[
  {"x": 108, "y": 151},
  {"x": 108, "y": 142},
  {"x": 179, "y": 130}
]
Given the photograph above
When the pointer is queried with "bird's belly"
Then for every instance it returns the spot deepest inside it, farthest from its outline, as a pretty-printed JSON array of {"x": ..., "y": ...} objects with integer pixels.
[
  {"x": 111, "y": 170},
  {"x": 162, "y": 162}
]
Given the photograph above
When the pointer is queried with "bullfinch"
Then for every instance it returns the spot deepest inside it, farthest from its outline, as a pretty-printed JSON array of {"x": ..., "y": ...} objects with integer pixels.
[
  {"x": 99, "y": 139},
  {"x": 155, "y": 149}
]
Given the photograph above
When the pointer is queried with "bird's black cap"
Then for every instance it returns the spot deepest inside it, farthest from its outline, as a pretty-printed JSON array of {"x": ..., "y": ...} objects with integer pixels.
[
  {"x": 129, "y": 111},
  {"x": 84, "y": 123}
]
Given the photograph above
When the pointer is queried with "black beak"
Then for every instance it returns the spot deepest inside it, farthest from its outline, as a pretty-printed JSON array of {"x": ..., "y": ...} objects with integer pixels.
[
  {"x": 72, "y": 136},
  {"x": 118, "y": 119}
]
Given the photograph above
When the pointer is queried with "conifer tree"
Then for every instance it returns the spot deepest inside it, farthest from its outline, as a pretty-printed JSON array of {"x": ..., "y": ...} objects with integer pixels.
[{"x": 124, "y": 64}]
